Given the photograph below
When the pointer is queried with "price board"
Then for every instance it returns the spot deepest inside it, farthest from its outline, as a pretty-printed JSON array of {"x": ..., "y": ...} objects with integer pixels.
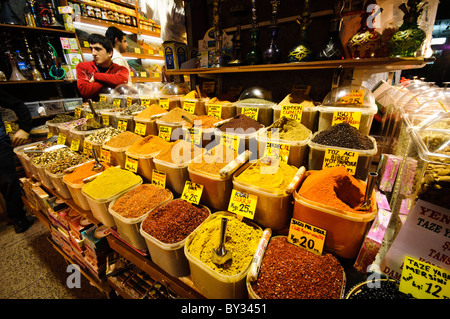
[
  {"x": 335, "y": 157},
  {"x": 159, "y": 178},
  {"x": 307, "y": 236},
  {"x": 292, "y": 111},
  {"x": 192, "y": 192},
  {"x": 242, "y": 203},
  {"x": 424, "y": 280}
]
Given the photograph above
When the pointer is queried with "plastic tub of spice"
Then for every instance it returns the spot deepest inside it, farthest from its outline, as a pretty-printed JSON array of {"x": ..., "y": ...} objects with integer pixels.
[
  {"x": 273, "y": 183},
  {"x": 117, "y": 146},
  {"x": 174, "y": 162},
  {"x": 141, "y": 153},
  {"x": 66, "y": 128},
  {"x": 171, "y": 95},
  {"x": 220, "y": 109},
  {"x": 327, "y": 199},
  {"x": 308, "y": 276},
  {"x": 343, "y": 145},
  {"x": 352, "y": 104},
  {"x": 105, "y": 188},
  {"x": 193, "y": 105},
  {"x": 206, "y": 170},
  {"x": 166, "y": 229},
  {"x": 109, "y": 117},
  {"x": 80, "y": 136},
  {"x": 25, "y": 159},
  {"x": 203, "y": 130},
  {"x": 169, "y": 126},
  {"x": 242, "y": 240},
  {"x": 74, "y": 181},
  {"x": 256, "y": 103},
  {"x": 305, "y": 112},
  {"x": 59, "y": 185},
  {"x": 130, "y": 209},
  {"x": 145, "y": 121},
  {"x": 287, "y": 137}
]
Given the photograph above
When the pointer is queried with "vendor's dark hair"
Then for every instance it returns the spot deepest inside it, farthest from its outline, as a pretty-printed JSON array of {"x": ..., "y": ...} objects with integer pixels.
[
  {"x": 112, "y": 33},
  {"x": 100, "y": 39}
]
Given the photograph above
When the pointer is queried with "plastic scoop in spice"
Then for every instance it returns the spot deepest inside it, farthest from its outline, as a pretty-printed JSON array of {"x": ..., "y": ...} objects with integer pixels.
[{"x": 220, "y": 256}]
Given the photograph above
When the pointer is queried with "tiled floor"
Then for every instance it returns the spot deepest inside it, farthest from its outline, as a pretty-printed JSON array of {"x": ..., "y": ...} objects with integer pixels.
[{"x": 30, "y": 268}]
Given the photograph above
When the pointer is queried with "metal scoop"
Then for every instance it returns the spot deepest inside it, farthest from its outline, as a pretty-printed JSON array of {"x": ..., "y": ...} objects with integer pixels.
[
  {"x": 220, "y": 256},
  {"x": 48, "y": 149},
  {"x": 187, "y": 119},
  {"x": 371, "y": 179},
  {"x": 97, "y": 166}
]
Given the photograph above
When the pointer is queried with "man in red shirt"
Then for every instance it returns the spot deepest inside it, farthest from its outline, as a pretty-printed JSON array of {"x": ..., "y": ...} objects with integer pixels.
[{"x": 94, "y": 75}]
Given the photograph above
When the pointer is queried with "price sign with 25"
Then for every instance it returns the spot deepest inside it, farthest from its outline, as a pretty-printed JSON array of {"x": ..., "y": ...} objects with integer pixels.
[{"x": 192, "y": 192}]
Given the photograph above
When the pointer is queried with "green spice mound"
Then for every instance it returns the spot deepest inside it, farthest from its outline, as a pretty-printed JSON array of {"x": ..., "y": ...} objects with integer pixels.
[
  {"x": 288, "y": 129},
  {"x": 344, "y": 135},
  {"x": 111, "y": 182}
]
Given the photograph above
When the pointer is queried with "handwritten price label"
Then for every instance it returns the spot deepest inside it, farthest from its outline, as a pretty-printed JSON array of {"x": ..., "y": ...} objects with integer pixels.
[
  {"x": 140, "y": 128},
  {"x": 251, "y": 112},
  {"x": 423, "y": 280},
  {"x": 243, "y": 204},
  {"x": 122, "y": 125},
  {"x": 165, "y": 132},
  {"x": 87, "y": 148},
  {"x": 61, "y": 139},
  {"x": 230, "y": 141},
  {"x": 164, "y": 103},
  {"x": 334, "y": 157},
  {"x": 292, "y": 111},
  {"x": 105, "y": 155},
  {"x": 131, "y": 164},
  {"x": 77, "y": 112},
  {"x": 159, "y": 178},
  {"x": 189, "y": 106},
  {"x": 307, "y": 236},
  {"x": 353, "y": 97},
  {"x": 89, "y": 115},
  {"x": 194, "y": 135},
  {"x": 117, "y": 102},
  {"x": 105, "y": 119},
  {"x": 192, "y": 192},
  {"x": 75, "y": 145},
  {"x": 277, "y": 150},
  {"x": 352, "y": 118},
  {"x": 145, "y": 102},
  {"x": 215, "y": 110}
]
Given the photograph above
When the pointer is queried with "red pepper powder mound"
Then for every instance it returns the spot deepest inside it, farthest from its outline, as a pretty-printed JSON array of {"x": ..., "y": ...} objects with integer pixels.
[
  {"x": 174, "y": 221},
  {"x": 291, "y": 272}
]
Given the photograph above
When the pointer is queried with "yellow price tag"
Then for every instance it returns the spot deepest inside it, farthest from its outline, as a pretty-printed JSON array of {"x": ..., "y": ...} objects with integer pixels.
[
  {"x": 192, "y": 192},
  {"x": 86, "y": 44},
  {"x": 129, "y": 101},
  {"x": 189, "y": 106},
  {"x": 75, "y": 145},
  {"x": 165, "y": 132},
  {"x": 307, "y": 236},
  {"x": 251, "y": 112},
  {"x": 231, "y": 141},
  {"x": 137, "y": 50},
  {"x": 353, "y": 97},
  {"x": 131, "y": 164},
  {"x": 8, "y": 128},
  {"x": 105, "y": 119},
  {"x": 145, "y": 102},
  {"x": 215, "y": 110},
  {"x": 194, "y": 136},
  {"x": 159, "y": 178},
  {"x": 77, "y": 112},
  {"x": 87, "y": 148},
  {"x": 49, "y": 134},
  {"x": 122, "y": 125},
  {"x": 117, "y": 102},
  {"x": 292, "y": 111},
  {"x": 89, "y": 115},
  {"x": 143, "y": 74},
  {"x": 277, "y": 150},
  {"x": 243, "y": 204},
  {"x": 140, "y": 128},
  {"x": 424, "y": 280},
  {"x": 352, "y": 118},
  {"x": 105, "y": 155},
  {"x": 334, "y": 157},
  {"x": 102, "y": 98},
  {"x": 61, "y": 139},
  {"x": 164, "y": 103}
]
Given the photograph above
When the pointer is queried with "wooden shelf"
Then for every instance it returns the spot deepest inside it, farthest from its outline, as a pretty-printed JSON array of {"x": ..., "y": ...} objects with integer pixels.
[
  {"x": 374, "y": 65},
  {"x": 175, "y": 284},
  {"x": 85, "y": 50},
  {"x": 37, "y": 29}
]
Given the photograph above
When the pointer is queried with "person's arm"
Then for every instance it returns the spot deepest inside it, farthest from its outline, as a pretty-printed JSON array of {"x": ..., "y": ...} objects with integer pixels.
[
  {"x": 23, "y": 114},
  {"x": 86, "y": 87},
  {"x": 115, "y": 76}
]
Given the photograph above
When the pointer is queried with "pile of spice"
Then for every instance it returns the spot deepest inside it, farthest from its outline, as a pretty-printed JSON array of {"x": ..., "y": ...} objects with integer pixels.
[
  {"x": 102, "y": 135},
  {"x": 335, "y": 187},
  {"x": 140, "y": 200},
  {"x": 288, "y": 129},
  {"x": 214, "y": 160},
  {"x": 89, "y": 125},
  {"x": 344, "y": 135},
  {"x": 179, "y": 152},
  {"x": 387, "y": 289},
  {"x": 84, "y": 171},
  {"x": 150, "y": 111},
  {"x": 111, "y": 182},
  {"x": 291, "y": 272},
  {"x": 102, "y": 105},
  {"x": 241, "y": 240},
  {"x": 204, "y": 121},
  {"x": 172, "y": 222},
  {"x": 175, "y": 116},
  {"x": 133, "y": 108},
  {"x": 268, "y": 174},
  {"x": 65, "y": 160},
  {"x": 53, "y": 156},
  {"x": 148, "y": 145},
  {"x": 62, "y": 118},
  {"x": 124, "y": 139},
  {"x": 240, "y": 124},
  {"x": 72, "y": 124}
]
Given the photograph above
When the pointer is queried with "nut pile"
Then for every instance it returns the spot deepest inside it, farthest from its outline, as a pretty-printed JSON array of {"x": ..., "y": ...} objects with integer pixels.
[{"x": 103, "y": 135}]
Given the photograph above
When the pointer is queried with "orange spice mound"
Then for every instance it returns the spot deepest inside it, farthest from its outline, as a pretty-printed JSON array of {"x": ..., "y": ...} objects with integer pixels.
[
  {"x": 148, "y": 145},
  {"x": 334, "y": 187},
  {"x": 84, "y": 171}
]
